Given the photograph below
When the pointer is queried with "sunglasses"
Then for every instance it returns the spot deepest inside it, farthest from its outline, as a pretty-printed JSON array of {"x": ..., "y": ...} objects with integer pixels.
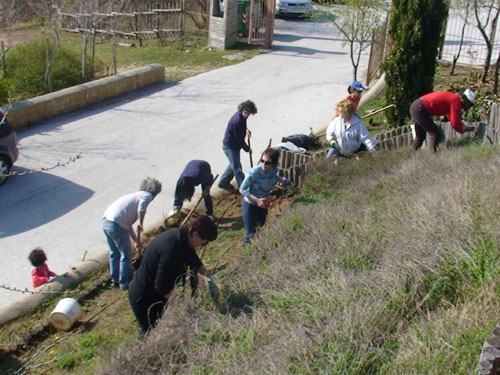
[{"x": 266, "y": 162}]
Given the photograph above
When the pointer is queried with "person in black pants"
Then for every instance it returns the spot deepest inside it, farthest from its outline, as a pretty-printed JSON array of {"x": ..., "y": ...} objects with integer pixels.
[
  {"x": 165, "y": 262},
  {"x": 195, "y": 173}
]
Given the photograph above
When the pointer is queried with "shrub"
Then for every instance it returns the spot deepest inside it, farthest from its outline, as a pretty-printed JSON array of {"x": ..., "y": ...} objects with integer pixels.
[
  {"x": 415, "y": 31},
  {"x": 26, "y": 65},
  {"x": 5, "y": 87}
]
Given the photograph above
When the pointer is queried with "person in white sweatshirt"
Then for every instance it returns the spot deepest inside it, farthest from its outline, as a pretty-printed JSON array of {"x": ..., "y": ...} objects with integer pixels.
[{"x": 346, "y": 133}]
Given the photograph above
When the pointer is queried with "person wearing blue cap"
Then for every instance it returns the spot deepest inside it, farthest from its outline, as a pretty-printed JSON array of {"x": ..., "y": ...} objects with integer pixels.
[{"x": 355, "y": 89}]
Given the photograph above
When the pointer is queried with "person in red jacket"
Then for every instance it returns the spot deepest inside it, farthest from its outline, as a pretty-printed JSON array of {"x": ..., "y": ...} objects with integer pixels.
[
  {"x": 439, "y": 103},
  {"x": 41, "y": 273}
]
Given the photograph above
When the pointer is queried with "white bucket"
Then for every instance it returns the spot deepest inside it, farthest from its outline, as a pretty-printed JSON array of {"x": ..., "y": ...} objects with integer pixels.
[{"x": 65, "y": 314}]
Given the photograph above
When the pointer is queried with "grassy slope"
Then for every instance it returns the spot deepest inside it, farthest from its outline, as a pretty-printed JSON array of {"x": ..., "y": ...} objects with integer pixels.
[{"x": 388, "y": 265}]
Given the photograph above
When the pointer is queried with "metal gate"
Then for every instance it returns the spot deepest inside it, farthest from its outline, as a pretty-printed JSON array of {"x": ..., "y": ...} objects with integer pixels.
[{"x": 261, "y": 22}]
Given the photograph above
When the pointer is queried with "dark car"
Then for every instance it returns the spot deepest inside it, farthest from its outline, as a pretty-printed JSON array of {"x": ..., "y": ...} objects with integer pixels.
[{"x": 8, "y": 148}]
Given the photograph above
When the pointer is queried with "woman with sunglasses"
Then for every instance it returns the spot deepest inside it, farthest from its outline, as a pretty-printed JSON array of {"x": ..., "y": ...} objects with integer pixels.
[{"x": 255, "y": 190}]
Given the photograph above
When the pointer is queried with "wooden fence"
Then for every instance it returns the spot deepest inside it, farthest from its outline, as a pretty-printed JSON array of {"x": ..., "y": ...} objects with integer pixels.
[
  {"x": 160, "y": 20},
  {"x": 293, "y": 165},
  {"x": 197, "y": 12}
]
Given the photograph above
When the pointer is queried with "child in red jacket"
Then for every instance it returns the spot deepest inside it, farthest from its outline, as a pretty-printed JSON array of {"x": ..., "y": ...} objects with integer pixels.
[{"x": 41, "y": 273}]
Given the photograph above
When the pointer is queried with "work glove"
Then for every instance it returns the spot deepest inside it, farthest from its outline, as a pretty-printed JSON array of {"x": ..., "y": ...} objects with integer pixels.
[
  {"x": 334, "y": 144},
  {"x": 174, "y": 212}
]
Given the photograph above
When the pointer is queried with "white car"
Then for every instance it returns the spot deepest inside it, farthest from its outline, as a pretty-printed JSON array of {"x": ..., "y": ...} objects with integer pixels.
[{"x": 293, "y": 7}]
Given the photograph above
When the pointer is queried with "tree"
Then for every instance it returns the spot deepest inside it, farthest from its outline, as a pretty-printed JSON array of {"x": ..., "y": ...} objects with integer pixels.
[
  {"x": 357, "y": 20},
  {"x": 465, "y": 7},
  {"x": 410, "y": 66},
  {"x": 486, "y": 11}
]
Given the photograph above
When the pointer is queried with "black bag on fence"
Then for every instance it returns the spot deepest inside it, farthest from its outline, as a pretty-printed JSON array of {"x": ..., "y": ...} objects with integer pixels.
[{"x": 302, "y": 140}]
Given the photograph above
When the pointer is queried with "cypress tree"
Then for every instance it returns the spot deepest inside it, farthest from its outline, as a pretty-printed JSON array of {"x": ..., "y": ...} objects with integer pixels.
[{"x": 415, "y": 32}]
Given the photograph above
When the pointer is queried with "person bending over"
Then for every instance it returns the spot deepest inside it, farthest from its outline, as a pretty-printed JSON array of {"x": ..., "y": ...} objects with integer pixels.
[
  {"x": 167, "y": 259},
  {"x": 117, "y": 224},
  {"x": 439, "y": 103},
  {"x": 195, "y": 173}
]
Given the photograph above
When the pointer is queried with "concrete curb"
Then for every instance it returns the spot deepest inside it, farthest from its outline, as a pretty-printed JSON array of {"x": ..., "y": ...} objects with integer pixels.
[
  {"x": 72, "y": 98},
  {"x": 74, "y": 276}
]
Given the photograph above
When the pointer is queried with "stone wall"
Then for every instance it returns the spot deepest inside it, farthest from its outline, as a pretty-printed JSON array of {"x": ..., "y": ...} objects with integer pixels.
[
  {"x": 57, "y": 103},
  {"x": 223, "y": 27}
]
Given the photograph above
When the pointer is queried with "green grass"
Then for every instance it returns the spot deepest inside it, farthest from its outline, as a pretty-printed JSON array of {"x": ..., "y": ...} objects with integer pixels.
[
  {"x": 376, "y": 122},
  {"x": 182, "y": 58}
]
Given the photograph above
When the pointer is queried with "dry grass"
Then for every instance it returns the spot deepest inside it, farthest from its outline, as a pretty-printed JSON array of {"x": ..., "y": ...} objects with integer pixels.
[{"x": 392, "y": 271}]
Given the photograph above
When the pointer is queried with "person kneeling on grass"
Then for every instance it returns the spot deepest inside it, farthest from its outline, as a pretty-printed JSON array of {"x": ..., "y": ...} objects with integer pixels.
[
  {"x": 167, "y": 258},
  {"x": 195, "y": 173},
  {"x": 346, "y": 133},
  {"x": 256, "y": 188}
]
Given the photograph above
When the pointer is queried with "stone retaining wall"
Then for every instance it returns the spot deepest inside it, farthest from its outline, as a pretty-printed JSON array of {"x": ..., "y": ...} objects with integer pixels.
[{"x": 57, "y": 103}]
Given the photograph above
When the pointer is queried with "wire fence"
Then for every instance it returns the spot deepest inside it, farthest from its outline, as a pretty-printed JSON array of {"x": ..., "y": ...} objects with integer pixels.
[
  {"x": 147, "y": 21},
  {"x": 470, "y": 47}
]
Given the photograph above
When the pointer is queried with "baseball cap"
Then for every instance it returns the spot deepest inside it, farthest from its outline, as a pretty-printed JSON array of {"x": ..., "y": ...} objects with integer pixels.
[
  {"x": 357, "y": 86},
  {"x": 471, "y": 96}
]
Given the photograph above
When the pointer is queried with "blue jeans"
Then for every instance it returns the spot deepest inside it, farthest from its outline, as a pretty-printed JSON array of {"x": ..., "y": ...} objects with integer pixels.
[
  {"x": 234, "y": 169},
  {"x": 120, "y": 256},
  {"x": 253, "y": 218}
]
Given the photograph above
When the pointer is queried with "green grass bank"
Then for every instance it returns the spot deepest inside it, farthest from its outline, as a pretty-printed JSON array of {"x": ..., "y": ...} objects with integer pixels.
[{"x": 387, "y": 265}]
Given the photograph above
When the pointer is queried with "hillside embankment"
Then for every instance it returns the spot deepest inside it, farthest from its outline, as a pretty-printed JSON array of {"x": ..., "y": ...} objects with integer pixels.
[{"x": 386, "y": 265}]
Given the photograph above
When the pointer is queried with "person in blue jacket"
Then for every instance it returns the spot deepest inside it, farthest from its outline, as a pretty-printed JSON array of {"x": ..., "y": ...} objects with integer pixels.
[
  {"x": 234, "y": 141},
  {"x": 196, "y": 172},
  {"x": 256, "y": 189}
]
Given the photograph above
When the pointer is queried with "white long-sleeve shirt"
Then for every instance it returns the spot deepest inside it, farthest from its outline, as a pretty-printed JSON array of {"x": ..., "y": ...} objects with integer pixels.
[{"x": 350, "y": 136}]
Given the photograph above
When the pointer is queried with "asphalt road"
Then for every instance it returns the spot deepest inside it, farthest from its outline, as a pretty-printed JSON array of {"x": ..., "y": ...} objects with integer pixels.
[{"x": 155, "y": 132}]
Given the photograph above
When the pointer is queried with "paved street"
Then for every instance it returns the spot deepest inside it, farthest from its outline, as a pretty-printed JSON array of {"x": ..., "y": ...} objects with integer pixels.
[{"x": 155, "y": 132}]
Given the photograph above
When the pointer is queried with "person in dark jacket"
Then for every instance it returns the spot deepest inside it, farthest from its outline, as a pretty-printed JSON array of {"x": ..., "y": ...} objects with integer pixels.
[
  {"x": 234, "y": 141},
  {"x": 195, "y": 173},
  {"x": 167, "y": 259}
]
